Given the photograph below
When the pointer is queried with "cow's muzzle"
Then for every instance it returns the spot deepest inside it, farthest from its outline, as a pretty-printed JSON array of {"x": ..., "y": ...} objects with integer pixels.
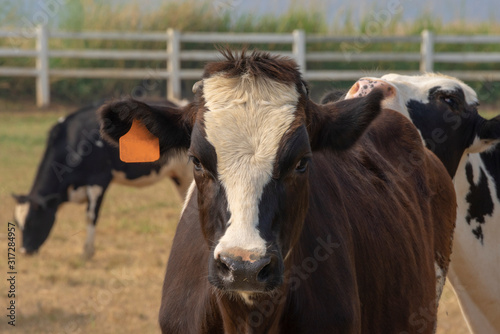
[
  {"x": 28, "y": 251},
  {"x": 248, "y": 272}
]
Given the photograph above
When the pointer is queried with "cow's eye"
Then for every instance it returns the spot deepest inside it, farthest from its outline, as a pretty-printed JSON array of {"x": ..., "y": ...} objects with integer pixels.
[
  {"x": 449, "y": 101},
  {"x": 301, "y": 166},
  {"x": 197, "y": 163}
]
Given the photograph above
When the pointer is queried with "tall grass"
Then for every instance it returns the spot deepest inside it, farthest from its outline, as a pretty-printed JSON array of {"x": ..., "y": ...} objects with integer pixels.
[{"x": 203, "y": 15}]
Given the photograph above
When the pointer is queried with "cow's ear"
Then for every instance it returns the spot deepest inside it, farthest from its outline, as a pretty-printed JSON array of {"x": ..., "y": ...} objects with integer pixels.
[
  {"x": 333, "y": 95},
  {"x": 171, "y": 125},
  {"x": 489, "y": 136},
  {"x": 339, "y": 125}
]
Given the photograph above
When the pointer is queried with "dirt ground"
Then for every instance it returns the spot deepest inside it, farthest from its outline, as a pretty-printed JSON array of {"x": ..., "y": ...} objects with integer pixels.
[{"x": 119, "y": 290}]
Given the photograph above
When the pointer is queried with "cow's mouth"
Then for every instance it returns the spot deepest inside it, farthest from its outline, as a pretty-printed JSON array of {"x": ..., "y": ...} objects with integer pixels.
[{"x": 27, "y": 251}]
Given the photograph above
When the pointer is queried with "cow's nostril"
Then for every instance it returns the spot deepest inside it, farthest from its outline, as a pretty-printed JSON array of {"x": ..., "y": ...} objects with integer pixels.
[
  {"x": 223, "y": 265},
  {"x": 265, "y": 273},
  {"x": 390, "y": 91}
]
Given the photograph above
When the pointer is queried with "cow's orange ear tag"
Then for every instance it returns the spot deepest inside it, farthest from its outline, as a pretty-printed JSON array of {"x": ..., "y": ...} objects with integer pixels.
[{"x": 139, "y": 145}]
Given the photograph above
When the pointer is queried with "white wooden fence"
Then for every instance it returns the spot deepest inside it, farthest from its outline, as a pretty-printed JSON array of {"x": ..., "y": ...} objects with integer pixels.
[{"x": 350, "y": 49}]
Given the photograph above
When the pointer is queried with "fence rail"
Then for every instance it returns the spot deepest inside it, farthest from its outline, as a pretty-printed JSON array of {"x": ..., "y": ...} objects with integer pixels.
[{"x": 173, "y": 54}]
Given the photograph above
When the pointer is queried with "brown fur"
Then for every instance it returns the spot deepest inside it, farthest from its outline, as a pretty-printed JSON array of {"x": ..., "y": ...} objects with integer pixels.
[{"x": 357, "y": 233}]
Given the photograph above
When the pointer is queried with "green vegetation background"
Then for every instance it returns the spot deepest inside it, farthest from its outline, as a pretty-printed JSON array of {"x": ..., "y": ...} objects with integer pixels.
[{"x": 204, "y": 16}]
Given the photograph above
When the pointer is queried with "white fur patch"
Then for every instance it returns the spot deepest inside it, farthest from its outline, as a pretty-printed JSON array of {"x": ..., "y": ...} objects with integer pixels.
[
  {"x": 481, "y": 145},
  {"x": 188, "y": 196},
  {"x": 471, "y": 273},
  {"x": 394, "y": 102},
  {"x": 417, "y": 87},
  {"x": 21, "y": 213},
  {"x": 78, "y": 195},
  {"x": 93, "y": 194},
  {"x": 247, "y": 117},
  {"x": 440, "y": 280},
  {"x": 246, "y": 296}
]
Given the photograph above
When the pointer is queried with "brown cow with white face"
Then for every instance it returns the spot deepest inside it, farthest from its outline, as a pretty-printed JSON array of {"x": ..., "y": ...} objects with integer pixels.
[{"x": 298, "y": 220}]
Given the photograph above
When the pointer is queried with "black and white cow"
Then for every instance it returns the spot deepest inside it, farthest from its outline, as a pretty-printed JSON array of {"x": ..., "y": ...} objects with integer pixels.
[
  {"x": 78, "y": 166},
  {"x": 444, "y": 109}
]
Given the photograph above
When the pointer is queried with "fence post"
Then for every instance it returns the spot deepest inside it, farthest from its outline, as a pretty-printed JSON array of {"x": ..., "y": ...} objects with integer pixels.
[
  {"x": 427, "y": 52},
  {"x": 173, "y": 65},
  {"x": 42, "y": 66},
  {"x": 299, "y": 49}
]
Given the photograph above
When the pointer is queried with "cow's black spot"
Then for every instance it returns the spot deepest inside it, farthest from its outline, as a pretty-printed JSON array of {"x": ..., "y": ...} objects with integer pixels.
[
  {"x": 478, "y": 232},
  {"x": 479, "y": 200}
]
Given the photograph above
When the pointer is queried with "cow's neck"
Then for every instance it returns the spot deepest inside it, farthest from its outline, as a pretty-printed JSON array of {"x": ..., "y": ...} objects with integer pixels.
[
  {"x": 491, "y": 161},
  {"x": 488, "y": 162}
]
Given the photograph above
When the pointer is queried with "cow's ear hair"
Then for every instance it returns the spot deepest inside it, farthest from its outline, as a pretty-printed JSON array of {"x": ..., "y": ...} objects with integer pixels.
[
  {"x": 20, "y": 199},
  {"x": 339, "y": 125},
  {"x": 171, "y": 125},
  {"x": 489, "y": 135},
  {"x": 333, "y": 95}
]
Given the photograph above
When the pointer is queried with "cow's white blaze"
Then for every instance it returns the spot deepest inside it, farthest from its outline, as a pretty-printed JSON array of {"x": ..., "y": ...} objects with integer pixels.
[
  {"x": 245, "y": 120},
  {"x": 21, "y": 213}
]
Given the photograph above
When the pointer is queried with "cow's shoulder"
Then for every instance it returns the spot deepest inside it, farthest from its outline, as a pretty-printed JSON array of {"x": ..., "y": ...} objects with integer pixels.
[{"x": 392, "y": 134}]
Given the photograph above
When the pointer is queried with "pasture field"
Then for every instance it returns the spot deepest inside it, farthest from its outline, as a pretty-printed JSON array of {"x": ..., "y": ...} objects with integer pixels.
[{"x": 119, "y": 290}]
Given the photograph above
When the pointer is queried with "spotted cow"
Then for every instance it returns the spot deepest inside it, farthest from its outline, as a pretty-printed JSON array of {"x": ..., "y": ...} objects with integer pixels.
[
  {"x": 299, "y": 220},
  {"x": 78, "y": 167},
  {"x": 444, "y": 109}
]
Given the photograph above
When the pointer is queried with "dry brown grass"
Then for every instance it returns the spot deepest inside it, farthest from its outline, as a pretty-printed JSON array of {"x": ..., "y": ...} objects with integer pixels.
[{"x": 119, "y": 290}]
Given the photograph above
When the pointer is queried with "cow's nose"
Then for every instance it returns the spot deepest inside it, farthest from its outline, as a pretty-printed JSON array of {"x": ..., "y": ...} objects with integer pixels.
[
  {"x": 365, "y": 85},
  {"x": 248, "y": 273}
]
